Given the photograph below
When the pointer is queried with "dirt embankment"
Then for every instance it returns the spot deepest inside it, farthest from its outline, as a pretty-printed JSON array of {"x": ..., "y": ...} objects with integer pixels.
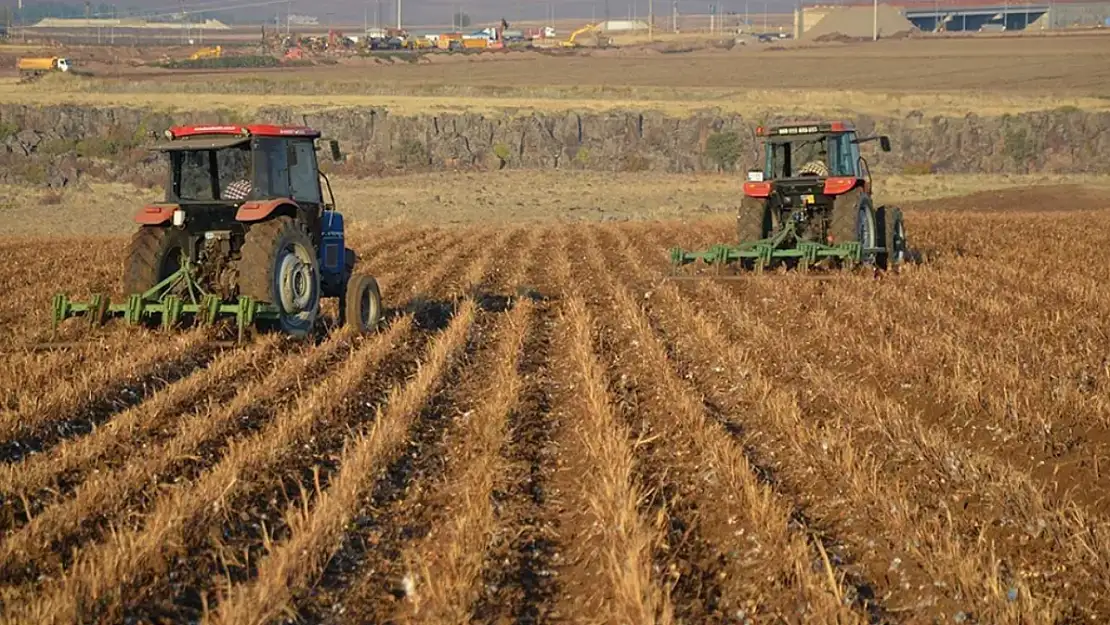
[{"x": 60, "y": 142}]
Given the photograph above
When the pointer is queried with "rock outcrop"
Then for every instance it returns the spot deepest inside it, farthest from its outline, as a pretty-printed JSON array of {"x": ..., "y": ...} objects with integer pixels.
[{"x": 1063, "y": 140}]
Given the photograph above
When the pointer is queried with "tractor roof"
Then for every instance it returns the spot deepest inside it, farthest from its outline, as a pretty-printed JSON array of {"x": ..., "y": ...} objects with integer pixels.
[
  {"x": 217, "y": 137},
  {"x": 804, "y": 128},
  {"x": 253, "y": 130}
]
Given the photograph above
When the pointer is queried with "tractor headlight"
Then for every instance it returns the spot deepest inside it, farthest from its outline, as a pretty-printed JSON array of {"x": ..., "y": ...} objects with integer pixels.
[{"x": 179, "y": 218}]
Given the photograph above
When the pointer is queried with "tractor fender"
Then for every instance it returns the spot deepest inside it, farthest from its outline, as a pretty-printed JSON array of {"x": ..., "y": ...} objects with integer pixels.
[
  {"x": 155, "y": 214},
  {"x": 261, "y": 209},
  {"x": 839, "y": 185}
]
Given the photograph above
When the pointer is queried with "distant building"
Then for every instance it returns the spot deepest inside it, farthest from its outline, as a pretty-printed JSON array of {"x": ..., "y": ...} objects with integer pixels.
[
  {"x": 616, "y": 26},
  {"x": 126, "y": 23}
]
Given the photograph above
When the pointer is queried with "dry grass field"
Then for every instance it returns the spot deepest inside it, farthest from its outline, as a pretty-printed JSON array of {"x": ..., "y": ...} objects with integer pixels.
[
  {"x": 509, "y": 196},
  {"x": 544, "y": 431}
]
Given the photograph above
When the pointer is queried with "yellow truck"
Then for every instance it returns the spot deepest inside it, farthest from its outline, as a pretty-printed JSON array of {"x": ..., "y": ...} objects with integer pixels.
[{"x": 32, "y": 67}]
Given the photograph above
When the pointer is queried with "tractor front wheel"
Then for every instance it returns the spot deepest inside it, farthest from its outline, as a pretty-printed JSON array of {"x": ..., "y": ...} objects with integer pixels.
[
  {"x": 154, "y": 254},
  {"x": 361, "y": 304},
  {"x": 278, "y": 266}
]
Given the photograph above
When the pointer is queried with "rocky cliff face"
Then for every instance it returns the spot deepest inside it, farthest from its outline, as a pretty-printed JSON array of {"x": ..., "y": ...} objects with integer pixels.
[{"x": 37, "y": 141}]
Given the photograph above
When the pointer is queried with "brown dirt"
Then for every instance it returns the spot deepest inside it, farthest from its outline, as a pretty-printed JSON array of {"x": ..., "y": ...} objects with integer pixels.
[
  {"x": 927, "y": 445},
  {"x": 1072, "y": 65}
]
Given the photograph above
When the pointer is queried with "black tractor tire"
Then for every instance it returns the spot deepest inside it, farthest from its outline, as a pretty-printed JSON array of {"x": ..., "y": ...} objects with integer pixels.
[
  {"x": 853, "y": 219},
  {"x": 890, "y": 225},
  {"x": 361, "y": 304},
  {"x": 278, "y": 265},
  {"x": 753, "y": 220},
  {"x": 153, "y": 255}
]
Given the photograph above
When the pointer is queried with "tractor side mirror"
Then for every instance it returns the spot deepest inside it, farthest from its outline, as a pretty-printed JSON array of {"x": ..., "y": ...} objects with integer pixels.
[
  {"x": 884, "y": 143},
  {"x": 335, "y": 154},
  {"x": 755, "y": 175}
]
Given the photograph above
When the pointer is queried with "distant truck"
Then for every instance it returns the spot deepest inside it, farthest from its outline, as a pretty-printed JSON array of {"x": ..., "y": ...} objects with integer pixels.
[{"x": 33, "y": 67}]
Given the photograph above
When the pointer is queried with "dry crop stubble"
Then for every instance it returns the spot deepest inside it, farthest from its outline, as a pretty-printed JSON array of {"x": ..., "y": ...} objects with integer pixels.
[
  {"x": 214, "y": 563},
  {"x": 734, "y": 544},
  {"x": 368, "y": 577},
  {"x": 114, "y": 441},
  {"x": 365, "y": 575},
  {"x": 39, "y": 420},
  {"x": 445, "y": 564},
  {"x": 608, "y": 576},
  {"x": 127, "y": 556},
  {"x": 113, "y": 494},
  {"x": 314, "y": 533},
  {"x": 111, "y": 571},
  {"x": 518, "y": 581},
  {"x": 906, "y": 515}
]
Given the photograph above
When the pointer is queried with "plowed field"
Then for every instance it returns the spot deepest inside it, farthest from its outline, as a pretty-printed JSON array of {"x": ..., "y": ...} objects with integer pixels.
[{"x": 544, "y": 431}]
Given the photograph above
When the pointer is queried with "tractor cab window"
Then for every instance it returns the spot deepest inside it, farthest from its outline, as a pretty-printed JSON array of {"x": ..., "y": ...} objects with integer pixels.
[
  {"x": 304, "y": 177},
  {"x": 798, "y": 157},
  {"x": 845, "y": 155},
  {"x": 271, "y": 167},
  {"x": 211, "y": 175}
]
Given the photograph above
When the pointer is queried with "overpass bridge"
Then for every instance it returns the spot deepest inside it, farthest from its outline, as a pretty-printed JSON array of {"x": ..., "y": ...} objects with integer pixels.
[{"x": 974, "y": 17}]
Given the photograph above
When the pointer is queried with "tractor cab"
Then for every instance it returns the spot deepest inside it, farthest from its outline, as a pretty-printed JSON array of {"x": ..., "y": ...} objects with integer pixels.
[
  {"x": 244, "y": 167},
  {"x": 822, "y": 157}
]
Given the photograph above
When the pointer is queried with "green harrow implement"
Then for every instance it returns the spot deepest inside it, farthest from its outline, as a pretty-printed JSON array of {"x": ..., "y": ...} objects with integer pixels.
[
  {"x": 172, "y": 300},
  {"x": 763, "y": 254}
]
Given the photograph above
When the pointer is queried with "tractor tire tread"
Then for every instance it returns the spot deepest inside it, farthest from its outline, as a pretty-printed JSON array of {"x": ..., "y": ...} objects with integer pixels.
[
  {"x": 257, "y": 256},
  {"x": 144, "y": 251},
  {"x": 750, "y": 220},
  {"x": 844, "y": 218}
]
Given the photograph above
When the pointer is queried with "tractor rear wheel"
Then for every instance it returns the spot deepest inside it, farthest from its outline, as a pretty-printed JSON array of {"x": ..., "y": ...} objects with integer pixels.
[
  {"x": 154, "y": 254},
  {"x": 853, "y": 219},
  {"x": 278, "y": 266},
  {"x": 753, "y": 220}
]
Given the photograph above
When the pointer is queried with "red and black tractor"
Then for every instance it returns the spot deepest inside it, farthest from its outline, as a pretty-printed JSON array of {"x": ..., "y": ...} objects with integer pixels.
[
  {"x": 810, "y": 204},
  {"x": 244, "y": 230}
]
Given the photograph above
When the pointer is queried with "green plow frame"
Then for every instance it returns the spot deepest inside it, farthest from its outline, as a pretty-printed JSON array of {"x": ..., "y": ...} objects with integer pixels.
[
  {"x": 764, "y": 251},
  {"x": 161, "y": 301}
]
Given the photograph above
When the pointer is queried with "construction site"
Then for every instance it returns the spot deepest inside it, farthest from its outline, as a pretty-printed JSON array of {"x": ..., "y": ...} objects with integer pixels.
[{"x": 574, "y": 323}]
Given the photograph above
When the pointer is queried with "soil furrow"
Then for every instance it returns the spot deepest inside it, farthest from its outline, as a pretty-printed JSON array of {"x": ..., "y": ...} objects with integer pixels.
[
  {"x": 448, "y": 523},
  {"x": 42, "y": 478},
  {"x": 114, "y": 494},
  {"x": 607, "y": 572},
  {"x": 264, "y": 584},
  {"x": 1011, "y": 506},
  {"x": 394, "y": 501},
  {"x": 730, "y": 533},
  {"x": 517, "y": 582},
  {"x": 232, "y": 549},
  {"x": 812, "y": 452},
  {"x": 44, "y": 421},
  {"x": 261, "y": 450},
  {"x": 110, "y": 575},
  {"x": 314, "y": 532}
]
